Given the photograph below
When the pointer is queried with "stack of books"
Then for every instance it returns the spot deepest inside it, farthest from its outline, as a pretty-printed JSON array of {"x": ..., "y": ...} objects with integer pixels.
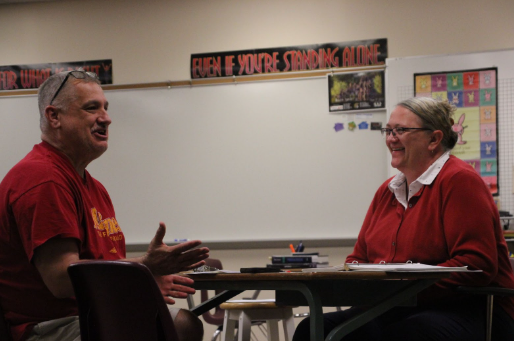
[{"x": 298, "y": 260}]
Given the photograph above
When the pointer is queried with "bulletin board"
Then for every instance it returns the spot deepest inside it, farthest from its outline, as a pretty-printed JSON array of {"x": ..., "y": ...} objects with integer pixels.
[{"x": 473, "y": 93}]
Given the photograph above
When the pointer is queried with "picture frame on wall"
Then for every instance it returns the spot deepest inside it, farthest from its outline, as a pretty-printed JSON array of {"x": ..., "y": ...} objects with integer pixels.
[
  {"x": 474, "y": 94},
  {"x": 356, "y": 91}
]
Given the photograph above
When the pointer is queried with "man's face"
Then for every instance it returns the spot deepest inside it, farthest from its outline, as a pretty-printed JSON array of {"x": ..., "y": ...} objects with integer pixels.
[{"x": 84, "y": 126}]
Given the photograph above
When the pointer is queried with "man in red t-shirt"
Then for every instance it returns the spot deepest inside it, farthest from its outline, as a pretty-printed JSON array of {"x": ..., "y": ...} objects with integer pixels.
[{"x": 53, "y": 213}]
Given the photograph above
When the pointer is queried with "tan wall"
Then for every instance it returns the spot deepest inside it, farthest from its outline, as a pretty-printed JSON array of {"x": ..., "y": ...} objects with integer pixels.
[{"x": 151, "y": 40}]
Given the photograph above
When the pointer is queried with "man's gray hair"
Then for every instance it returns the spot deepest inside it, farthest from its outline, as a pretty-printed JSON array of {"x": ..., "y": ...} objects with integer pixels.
[{"x": 50, "y": 86}]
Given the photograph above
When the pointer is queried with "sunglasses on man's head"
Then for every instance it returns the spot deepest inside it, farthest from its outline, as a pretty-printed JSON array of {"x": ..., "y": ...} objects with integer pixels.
[{"x": 78, "y": 74}]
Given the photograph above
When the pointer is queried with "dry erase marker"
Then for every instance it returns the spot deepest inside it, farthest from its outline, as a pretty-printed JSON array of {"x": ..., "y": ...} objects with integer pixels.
[
  {"x": 291, "y": 247},
  {"x": 181, "y": 240}
]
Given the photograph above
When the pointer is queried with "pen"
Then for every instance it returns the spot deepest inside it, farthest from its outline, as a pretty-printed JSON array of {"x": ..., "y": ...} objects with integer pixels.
[
  {"x": 181, "y": 240},
  {"x": 291, "y": 247},
  {"x": 299, "y": 247}
]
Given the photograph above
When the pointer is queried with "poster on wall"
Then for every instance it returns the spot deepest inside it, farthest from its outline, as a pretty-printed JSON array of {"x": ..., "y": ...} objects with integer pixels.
[
  {"x": 352, "y": 54},
  {"x": 353, "y": 91},
  {"x": 474, "y": 93},
  {"x": 31, "y": 76}
]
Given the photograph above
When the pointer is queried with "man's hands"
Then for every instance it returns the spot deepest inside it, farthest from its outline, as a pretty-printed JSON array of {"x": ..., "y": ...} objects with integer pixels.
[
  {"x": 164, "y": 260},
  {"x": 53, "y": 258},
  {"x": 174, "y": 286}
]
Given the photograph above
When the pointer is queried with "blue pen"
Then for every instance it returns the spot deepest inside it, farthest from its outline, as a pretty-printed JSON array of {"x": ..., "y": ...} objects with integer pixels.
[
  {"x": 181, "y": 240},
  {"x": 299, "y": 247}
]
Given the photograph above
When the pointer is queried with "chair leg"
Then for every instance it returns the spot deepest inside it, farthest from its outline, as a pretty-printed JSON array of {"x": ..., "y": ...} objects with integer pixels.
[
  {"x": 489, "y": 317},
  {"x": 289, "y": 327},
  {"x": 228, "y": 328},
  {"x": 244, "y": 327},
  {"x": 216, "y": 334},
  {"x": 272, "y": 326}
]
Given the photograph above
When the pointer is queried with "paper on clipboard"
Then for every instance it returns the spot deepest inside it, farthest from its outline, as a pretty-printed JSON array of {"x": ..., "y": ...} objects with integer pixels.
[
  {"x": 396, "y": 267},
  {"x": 418, "y": 267}
]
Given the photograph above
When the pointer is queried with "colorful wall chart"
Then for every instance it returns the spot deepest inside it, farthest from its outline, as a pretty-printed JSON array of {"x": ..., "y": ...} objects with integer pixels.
[{"x": 473, "y": 92}]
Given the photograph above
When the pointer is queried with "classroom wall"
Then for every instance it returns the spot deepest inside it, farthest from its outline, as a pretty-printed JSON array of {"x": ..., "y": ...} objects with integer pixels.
[{"x": 151, "y": 40}]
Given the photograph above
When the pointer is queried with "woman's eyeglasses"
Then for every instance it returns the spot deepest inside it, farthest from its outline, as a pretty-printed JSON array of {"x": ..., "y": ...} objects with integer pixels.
[
  {"x": 78, "y": 74},
  {"x": 398, "y": 130}
]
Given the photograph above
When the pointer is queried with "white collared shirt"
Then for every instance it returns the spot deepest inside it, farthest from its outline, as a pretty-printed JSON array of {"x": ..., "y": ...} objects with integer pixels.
[{"x": 398, "y": 184}]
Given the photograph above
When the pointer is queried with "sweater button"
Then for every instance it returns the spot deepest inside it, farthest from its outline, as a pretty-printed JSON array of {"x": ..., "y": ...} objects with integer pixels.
[
  {"x": 394, "y": 244},
  {"x": 410, "y": 205}
]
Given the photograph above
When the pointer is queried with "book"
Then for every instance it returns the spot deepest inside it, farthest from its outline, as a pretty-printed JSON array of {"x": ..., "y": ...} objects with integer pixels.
[{"x": 283, "y": 259}]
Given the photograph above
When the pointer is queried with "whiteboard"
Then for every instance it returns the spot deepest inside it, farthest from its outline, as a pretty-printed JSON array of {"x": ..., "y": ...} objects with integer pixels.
[{"x": 244, "y": 162}]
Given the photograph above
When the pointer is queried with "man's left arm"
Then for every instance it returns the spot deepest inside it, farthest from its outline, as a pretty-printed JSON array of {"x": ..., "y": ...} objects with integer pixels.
[{"x": 52, "y": 260}]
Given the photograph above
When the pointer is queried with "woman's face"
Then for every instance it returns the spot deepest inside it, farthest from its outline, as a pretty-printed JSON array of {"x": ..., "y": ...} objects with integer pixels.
[{"x": 409, "y": 151}]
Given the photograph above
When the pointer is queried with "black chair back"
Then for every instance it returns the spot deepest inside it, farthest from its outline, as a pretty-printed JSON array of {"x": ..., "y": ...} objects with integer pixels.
[{"x": 120, "y": 301}]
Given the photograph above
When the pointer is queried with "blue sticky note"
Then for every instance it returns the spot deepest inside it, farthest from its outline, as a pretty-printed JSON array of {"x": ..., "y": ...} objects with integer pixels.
[{"x": 363, "y": 125}]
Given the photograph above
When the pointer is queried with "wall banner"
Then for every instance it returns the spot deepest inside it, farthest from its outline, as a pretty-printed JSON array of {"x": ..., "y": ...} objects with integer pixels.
[
  {"x": 474, "y": 93},
  {"x": 18, "y": 77},
  {"x": 289, "y": 59}
]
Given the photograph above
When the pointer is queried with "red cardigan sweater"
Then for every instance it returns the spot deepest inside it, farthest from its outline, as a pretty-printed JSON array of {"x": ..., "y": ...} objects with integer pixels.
[{"x": 451, "y": 222}]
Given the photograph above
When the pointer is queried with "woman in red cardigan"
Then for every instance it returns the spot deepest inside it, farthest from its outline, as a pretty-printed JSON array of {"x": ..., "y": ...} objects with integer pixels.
[{"x": 437, "y": 210}]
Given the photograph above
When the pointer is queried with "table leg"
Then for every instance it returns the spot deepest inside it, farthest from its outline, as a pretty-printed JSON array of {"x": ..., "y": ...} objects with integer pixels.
[
  {"x": 215, "y": 301},
  {"x": 315, "y": 308}
]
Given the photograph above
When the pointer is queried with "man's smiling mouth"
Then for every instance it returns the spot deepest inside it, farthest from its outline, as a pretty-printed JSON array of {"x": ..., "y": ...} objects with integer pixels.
[{"x": 101, "y": 132}]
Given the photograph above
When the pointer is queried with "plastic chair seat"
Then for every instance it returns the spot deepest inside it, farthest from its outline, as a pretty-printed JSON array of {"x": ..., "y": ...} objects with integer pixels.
[{"x": 243, "y": 313}]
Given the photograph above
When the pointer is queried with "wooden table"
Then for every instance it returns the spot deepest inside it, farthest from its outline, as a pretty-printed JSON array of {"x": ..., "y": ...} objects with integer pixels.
[{"x": 379, "y": 290}]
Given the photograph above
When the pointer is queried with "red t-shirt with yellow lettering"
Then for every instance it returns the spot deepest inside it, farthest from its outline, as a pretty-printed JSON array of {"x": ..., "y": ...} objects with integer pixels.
[{"x": 43, "y": 197}]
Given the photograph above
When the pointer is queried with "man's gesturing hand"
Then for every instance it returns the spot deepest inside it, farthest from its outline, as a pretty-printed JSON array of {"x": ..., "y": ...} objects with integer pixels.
[{"x": 162, "y": 259}]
